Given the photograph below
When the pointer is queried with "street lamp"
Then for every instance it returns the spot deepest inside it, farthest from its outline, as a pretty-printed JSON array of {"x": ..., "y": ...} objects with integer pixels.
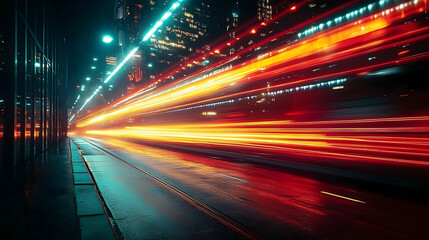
[{"x": 107, "y": 39}]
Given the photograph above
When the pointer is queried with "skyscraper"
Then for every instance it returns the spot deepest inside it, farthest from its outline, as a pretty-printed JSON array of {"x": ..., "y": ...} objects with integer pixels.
[
  {"x": 182, "y": 34},
  {"x": 185, "y": 31},
  {"x": 264, "y": 10},
  {"x": 195, "y": 25}
]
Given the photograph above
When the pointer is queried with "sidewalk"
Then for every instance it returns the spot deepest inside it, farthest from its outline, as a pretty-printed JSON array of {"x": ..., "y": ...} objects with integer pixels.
[
  {"x": 39, "y": 201},
  {"x": 93, "y": 222}
]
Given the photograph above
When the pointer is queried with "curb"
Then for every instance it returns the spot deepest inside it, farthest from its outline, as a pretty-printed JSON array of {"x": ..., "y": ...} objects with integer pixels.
[{"x": 94, "y": 221}]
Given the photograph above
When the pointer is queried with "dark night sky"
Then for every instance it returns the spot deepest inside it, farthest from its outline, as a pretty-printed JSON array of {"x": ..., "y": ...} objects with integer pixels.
[{"x": 83, "y": 24}]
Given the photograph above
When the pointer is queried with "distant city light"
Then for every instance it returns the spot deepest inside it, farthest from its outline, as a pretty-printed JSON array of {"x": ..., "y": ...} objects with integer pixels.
[
  {"x": 150, "y": 65},
  {"x": 37, "y": 65},
  {"x": 107, "y": 39},
  {"x": 87, "y": 78},
  {"x": 95, "y": 59}
]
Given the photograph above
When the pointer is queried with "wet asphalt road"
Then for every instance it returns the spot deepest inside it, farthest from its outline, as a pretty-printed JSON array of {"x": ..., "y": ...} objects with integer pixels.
[{"x": 154, "y": 193}]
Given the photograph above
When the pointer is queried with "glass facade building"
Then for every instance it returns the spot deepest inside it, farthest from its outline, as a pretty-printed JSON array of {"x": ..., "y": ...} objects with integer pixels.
[
  {"x": 187, "y": 30},
  {"x": 33, "y": 77}
]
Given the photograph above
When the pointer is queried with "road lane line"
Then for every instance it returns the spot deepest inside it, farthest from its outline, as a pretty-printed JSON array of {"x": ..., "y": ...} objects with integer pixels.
[
  {"x": 235, "y": 178},
  {"x": 339, "y": 196}
]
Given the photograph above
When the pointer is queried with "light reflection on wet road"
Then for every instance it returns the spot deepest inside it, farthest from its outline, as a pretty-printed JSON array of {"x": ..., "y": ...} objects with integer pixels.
[{"x": 275, "y": 204}]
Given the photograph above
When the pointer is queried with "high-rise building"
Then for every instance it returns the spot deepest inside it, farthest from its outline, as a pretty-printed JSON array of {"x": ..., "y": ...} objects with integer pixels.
[
  {"x": 186, "y": 30},
  {"x": 236, "y": 12},
  {"x": 178, "y": 37},
  {"x": 264, "y": 10},
  {"x": 33, "y": 73},
  {"x": 232, "y": 17},
  {"x": 193, "y": 26}
]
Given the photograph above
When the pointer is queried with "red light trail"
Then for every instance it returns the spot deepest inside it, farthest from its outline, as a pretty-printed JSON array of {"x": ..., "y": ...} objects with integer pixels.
[
  {"x": 323, "y": 139},
  {"x": 366, "y": 46}
]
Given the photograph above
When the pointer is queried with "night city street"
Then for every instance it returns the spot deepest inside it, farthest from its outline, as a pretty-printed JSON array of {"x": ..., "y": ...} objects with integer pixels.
[{"x": 214, "y": 119}]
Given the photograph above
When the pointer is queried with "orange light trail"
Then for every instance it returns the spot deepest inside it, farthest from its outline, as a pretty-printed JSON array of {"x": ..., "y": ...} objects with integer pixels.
[
  {"x": 401, "y": 140},
  {"x": 287, "y": 137},
  {"x": 169, "y": 97},
  {"x": 213, "y": 84},
  {"x": 332, "y": 58}
]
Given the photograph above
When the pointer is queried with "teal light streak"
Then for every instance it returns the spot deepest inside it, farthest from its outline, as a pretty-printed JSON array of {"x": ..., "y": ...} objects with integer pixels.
[
  {"x": 348, "y": 16},
  {"x": 158, "y": 24},
  {"x": 161, "y": 21}
]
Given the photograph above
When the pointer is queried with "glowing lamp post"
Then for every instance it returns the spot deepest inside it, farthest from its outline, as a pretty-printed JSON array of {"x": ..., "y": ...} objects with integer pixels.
[{"x": 107, "y": 39}]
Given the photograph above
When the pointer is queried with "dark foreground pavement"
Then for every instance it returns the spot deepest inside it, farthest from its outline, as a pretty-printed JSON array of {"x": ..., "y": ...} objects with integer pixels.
[{"x": 51, "y": 198}]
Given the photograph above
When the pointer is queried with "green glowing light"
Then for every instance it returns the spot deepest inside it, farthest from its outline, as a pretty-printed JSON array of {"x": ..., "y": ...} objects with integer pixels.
[{"x": 107, "y": 39}]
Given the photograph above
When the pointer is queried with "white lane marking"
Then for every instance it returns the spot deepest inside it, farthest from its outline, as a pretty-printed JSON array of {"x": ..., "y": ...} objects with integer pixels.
[
  {"x": 339, "y": 196},
  {"x": 235, "y": 178}
]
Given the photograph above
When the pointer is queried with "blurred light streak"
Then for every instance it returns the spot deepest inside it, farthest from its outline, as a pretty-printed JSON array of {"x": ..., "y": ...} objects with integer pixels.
[
  {"x": 161, "y": 21},
  {"x": 132, "y": 52},
  {"x": 391, "y": 140},
  {"x": 72, "y": 117},
  {"x": 121, "y": 64},
  {"x": 339, "y": 196},
  {"x": 213, "y": 84},
  {"x": 346, "y": 55},
  {"x": 255, "y": 46},
  {"x": 287, "y": 137},
  {"x": 176, "y": 68}
]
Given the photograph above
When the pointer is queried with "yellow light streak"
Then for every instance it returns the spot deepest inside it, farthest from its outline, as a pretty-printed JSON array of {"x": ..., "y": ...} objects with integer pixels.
[
  {"x": 339, "y": 196},
  {"x": 221, "y": 136},
  {"x": 210, "y": 85},
  {"x": 324, "y": 139}
]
